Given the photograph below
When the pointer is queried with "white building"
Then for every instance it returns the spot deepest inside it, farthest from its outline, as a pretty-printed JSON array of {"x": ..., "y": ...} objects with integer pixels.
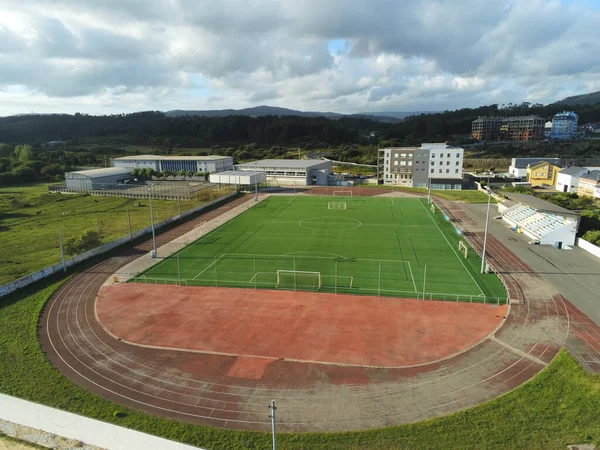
[
  {"x": 87, "y": 180},
  {"x": 568, "y": 178},
  {"x": 542, "y": 221},
  {"x": 204, "y": 164},
  {"x": 288, "y": 172},
  {"x": 433, "y": 163},
  {"x": 518, "y": 166},
  {"x": 239, "y": 177}
]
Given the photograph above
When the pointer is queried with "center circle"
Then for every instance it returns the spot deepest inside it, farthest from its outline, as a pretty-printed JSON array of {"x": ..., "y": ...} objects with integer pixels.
[{"x": 330, "y": 223}]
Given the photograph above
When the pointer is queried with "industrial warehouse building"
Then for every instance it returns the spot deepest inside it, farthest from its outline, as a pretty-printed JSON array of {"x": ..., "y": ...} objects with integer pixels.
[
  {"x": 88, "y": 180},
  {"x": 433, "y": 163},
  {"x": 203, "y": 164},
  {"x": 238, "y": 177},
  {"x": 292, "y": 172},
  {"x": 542, "y": 221}
]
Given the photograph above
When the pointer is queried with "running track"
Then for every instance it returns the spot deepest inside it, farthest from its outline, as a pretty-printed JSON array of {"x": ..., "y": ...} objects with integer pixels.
[{"x": 311, "y": 397}]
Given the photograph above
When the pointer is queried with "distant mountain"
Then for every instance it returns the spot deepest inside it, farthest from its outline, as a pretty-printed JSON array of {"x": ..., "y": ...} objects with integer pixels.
[
  {"x": 592, "y": 98},
  {"x": 399, "y": 114},
  {"x": 257, "y": 111}
]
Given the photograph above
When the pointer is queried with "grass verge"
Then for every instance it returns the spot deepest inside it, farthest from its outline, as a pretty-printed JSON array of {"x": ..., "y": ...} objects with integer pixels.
[
  {"x": 30, "y": 217},
  {"x": 560, "y": 406}
]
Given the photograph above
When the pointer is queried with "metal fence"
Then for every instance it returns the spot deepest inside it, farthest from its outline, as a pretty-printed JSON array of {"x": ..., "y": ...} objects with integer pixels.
[{"x": 161, "y": 190}]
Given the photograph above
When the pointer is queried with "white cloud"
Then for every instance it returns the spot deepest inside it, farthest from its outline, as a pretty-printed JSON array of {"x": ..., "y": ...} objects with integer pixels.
[{"x": 113, "y": 56}]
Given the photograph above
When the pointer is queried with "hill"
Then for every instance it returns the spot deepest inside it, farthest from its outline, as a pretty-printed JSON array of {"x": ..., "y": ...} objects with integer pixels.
[
  {"x": 593, "y": 98},
  {"x": 264, "y": 110}
]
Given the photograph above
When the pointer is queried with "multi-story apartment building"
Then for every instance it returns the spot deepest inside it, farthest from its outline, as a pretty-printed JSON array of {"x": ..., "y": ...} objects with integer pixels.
[
  {"x": 589, "y": 184},
  {"x": 564, "y": 125},
  {"x": 518, "y": 128},
  {"x": 437, "y": 164}
]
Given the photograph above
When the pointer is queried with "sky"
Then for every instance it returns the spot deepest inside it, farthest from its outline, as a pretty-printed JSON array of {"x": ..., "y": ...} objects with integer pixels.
[{"x": 347, "y": 56}]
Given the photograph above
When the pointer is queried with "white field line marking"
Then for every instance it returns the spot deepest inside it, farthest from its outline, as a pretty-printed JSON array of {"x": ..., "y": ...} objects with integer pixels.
[
  {"x": 211, "y": 264},
  {"x": 452, "y": 247},
  {"x": 291, "y": 200},
  {"x": 412, "y": 276}
]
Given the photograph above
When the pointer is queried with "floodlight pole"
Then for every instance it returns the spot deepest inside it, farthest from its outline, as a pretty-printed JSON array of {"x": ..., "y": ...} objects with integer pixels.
[
  {"x": 485, "y": 233},
  {"x": 62, "y": 251},
  {"x": 154, "y": 254},
  {"x": 273, "y": 408}
]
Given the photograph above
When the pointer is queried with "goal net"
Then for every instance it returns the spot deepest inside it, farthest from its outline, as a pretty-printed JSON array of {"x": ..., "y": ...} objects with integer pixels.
[
  {"x": 298, "y": 279},
  {"x": 336, "y": 205},
  {"x": 342, "y": 193},
  {"x": 462, "y": 247}
]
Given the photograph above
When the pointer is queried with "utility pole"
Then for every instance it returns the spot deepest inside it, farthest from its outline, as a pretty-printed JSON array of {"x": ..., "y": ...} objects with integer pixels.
[
  {"x": 129, "y": 222},
  {"x": 62, "y": 250},
  {"x": 273, "y": 408},
  {"x": 485, "y": 233},
  {"x": 429, "y": 191},
  {"x": 154, "y": 254}
]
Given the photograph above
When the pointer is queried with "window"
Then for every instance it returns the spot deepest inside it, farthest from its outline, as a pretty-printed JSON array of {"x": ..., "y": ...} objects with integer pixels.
[
  {"x": 458, "y": 155},
  {"x": 447, "y": 170},
  {"x": 440, "y": 171},
  {"x": 432, "y": 170},
  {"x": 410, "y": 163},
  {"x": 433, "y": 163},
  {"x": 455, "y": 170},
  {"x": 543, "y": 174},
  {"x": 457, "y": 162},
  {"x": 447, "y": 163},
  {"x": 402, "y": 163},
  {"x": 395, "y": 163},
  {"x": 403, "y": 155},
  {"x": 537, "y": 174},
  {"x": 448, "y": 155},
  {"x": 433, "y": 155},
  {"x": 441, "y": 155}
]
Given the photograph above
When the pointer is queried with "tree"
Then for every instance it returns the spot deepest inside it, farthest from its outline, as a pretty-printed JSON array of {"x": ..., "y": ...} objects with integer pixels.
[
  {"x": 24, "y": 153},
  {"x": 79, "y": 244}
]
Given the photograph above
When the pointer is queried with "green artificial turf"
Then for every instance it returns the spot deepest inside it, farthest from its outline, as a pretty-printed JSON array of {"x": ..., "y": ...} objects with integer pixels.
[
  {"x": 365, "y": 245},
  {"x": 30, "y": 217}
]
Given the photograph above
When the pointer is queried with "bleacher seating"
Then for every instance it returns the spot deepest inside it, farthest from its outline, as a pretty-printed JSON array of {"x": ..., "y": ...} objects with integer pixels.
[{"x": 537, "y": 223}]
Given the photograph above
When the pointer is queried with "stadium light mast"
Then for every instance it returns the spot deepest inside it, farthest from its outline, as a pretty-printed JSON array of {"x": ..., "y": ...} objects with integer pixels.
[
  {"x": 273, "y": 408},
  {"x": 485, "y": 232},
  {"x": 154, "y": 253}
]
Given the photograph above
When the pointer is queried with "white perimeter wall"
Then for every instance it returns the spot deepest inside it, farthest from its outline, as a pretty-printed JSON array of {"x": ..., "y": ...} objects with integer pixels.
[
  {"x": 589, "y": 247},
  {"x": 73, "y": 426}
]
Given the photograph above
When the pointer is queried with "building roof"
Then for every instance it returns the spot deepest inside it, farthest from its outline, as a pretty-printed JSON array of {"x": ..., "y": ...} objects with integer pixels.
[
  {"x": 522, "y": 163},
  {"x": 573, "y": 170},
  {"x": 593, "y": 175},
  {"x": 539, "y": 163},
  {"x": 236, "y": 173},
  {"x": 539, "y": 204},
  {"x": 170, "y": 158},
  {"x": 105, "y": 172},
  {"x": 283, "y": 163}
]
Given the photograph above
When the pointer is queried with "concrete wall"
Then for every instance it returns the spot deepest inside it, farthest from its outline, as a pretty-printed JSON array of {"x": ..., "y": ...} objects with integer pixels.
[
  {"x": 79, "y": 428},
  {"x": 588, "y": 247}
]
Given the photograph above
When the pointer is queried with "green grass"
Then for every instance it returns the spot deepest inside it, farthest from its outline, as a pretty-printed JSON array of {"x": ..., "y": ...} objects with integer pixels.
[
  {"x": 560, "y": 406},
  {"x": 30, "y": 218},
  {"x": 376, "y": 246}
]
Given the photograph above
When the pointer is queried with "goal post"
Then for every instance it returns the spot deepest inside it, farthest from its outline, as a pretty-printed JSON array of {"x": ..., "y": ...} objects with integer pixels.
[
  {"x": 342, "y": 193},
  {"x": 462, "y": 247},
  {"x": 298, "y": 279},
  {"x": 336, "y": 205}
]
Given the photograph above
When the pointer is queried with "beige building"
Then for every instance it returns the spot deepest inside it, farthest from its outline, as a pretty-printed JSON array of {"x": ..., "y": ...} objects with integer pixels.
[{"x": 589, "y": 184}]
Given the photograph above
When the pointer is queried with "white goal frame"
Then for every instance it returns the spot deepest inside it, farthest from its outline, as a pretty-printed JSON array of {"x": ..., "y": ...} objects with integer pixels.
[
  {"x": 342, "y": 193},
  {"x": 295, "y": 272},
  {"x": 336, "y": 205},
  {"x": 462, "y": 247}
]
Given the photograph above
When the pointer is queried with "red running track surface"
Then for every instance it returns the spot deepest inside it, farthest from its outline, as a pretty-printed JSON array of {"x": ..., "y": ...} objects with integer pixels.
[{"x": 297, "y": 326}]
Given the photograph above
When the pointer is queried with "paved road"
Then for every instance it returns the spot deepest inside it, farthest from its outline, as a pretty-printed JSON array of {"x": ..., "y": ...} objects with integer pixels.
[{"x": 574, "y": 273}]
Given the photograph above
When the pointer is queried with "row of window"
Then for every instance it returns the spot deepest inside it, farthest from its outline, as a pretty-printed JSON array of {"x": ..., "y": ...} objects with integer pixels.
[
  {"x": 449, "y": 155},
  {"x": 403, "y": 163},
  {"x": 447, "y": 163},
  {"x": 442, "y": 171}
]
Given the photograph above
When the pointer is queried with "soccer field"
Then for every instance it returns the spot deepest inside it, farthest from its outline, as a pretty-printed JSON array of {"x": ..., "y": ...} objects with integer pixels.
[{"x": 356, "y": 245}]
